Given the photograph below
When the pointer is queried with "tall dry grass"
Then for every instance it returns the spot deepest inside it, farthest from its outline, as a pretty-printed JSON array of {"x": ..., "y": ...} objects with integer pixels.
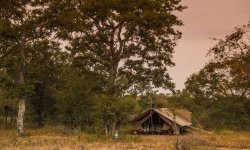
[{"x": 54, "y": 138}]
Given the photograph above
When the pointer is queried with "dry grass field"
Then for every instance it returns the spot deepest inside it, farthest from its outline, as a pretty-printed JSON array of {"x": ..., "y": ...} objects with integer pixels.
[{"x": 56, "y": 138}]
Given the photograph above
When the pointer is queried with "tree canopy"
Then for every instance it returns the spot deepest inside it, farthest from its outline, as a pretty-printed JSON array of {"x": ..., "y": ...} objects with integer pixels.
[
  {"x": 129, "y": 44},
  {"x": 222, "y": 88},
  {"x": 113, "y": 48}
]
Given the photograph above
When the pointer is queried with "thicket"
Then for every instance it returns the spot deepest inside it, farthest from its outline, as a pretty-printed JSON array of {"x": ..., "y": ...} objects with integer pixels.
[
  {"x": 80, "y": 62},
  {"x": 219, "y": 94},
  {"x": 94, "y": 64}
]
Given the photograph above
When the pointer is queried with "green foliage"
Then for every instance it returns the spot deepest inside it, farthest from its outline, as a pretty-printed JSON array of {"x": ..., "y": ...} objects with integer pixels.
[
  {"x": 115, "y": 109},
  {"x": 27, "y": 54},
  {"x": 140, "y": 35},
  {"x": 117, "y": 52},
  {"x": 124, "y": 46},
  {"x": 220, "y": 91},
  {"x": 151, "y": 99},
  {"x": 74, "y": 98}
]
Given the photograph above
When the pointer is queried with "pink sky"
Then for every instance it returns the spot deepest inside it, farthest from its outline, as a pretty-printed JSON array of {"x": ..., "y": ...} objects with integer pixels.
[{"x": 204, "y": 19}]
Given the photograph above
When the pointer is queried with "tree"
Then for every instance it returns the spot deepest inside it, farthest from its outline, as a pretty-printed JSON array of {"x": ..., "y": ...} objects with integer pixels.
[
  {"x": 75, "y": 98},
  {"x": 153, "y": 100},
  {"x": 232, "y": 60},
  {"x": 21, "y": 33},
  {"x": 227, "y": 74},
  {"x": 114, "y": 111},
  {"x": 222, "y": 87},
  {"x": 127, "y": 44},
  {"x": 43, "y": 75}
]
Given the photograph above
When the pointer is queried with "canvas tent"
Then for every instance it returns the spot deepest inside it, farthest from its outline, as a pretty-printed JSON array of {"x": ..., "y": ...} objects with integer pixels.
[{"x": 162, "y": 121}]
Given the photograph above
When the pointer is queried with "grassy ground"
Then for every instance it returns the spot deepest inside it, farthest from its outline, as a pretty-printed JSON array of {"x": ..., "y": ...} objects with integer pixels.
[{"x": 57, "y": 138}]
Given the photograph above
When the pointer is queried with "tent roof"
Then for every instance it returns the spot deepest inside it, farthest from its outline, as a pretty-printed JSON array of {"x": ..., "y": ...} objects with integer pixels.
[{"x": 164, "y": 113}]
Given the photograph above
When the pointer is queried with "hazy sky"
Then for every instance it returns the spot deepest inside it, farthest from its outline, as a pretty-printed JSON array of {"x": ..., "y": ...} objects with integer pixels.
[{"x": 204, "y": 19}]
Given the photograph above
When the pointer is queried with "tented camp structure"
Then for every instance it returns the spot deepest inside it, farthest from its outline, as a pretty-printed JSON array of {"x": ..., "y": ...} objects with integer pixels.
[{"x": 162, "y": 121}]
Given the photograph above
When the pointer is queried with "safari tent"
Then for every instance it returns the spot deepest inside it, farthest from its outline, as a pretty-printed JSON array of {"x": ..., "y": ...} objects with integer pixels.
[{"x": 162, "y": 121}]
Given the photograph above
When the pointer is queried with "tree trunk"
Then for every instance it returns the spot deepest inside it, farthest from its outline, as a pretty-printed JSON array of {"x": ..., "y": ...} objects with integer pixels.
[
  {"x": 21, "y": 107},
  {"x": 110, "y": 129},
  {"x": 112, "y": 77},
  {"x": 6, "y": 115},
  {"x": 111, "y": 91},
  {"x": 21, "y": 101},
  {"x": 6, "y": 121},
  {"x": 21, "y": 111},
  {"x": 113, "y": 128},
  {"x": 106, "y": 130}
]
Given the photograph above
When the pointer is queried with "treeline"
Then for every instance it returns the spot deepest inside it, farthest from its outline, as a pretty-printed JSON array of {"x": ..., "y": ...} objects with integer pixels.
[
  {"x": 94, "y": 64},
  {"x": 80, "y": 62},
  {"x": 219, "y": 94}
]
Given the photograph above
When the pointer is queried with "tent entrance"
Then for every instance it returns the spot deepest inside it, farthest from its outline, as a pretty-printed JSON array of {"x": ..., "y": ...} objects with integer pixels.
[{"x": 154, "y": 124}]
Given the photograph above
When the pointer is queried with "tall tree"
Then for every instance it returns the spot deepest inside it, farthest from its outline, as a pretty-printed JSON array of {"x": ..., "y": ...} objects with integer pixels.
[
  {"x": 227, "y": 74},
  {"x": 232, "y": 61},
  {"x": 222, "y": 88},
  {"x": 21, "y": 33},
  {"x": 128, "y": 44},
  {"x": 117, "y": 39},
  {"x": 43, "y": 74}
]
